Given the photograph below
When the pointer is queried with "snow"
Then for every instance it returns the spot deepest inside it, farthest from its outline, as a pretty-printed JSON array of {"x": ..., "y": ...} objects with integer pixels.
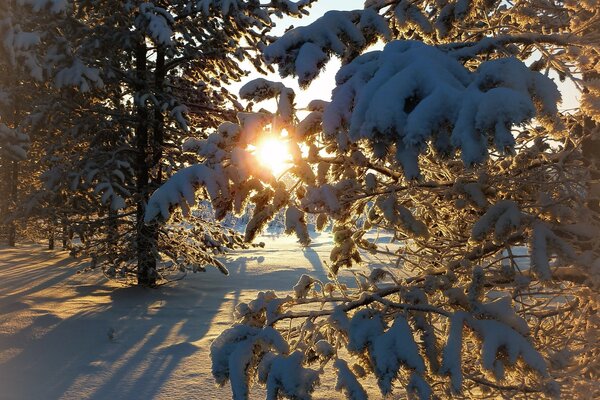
[
  {"x": 295, "y": 222},
  {"x": 400, "y": 216},
  {"x": 25, "y": 40},
  {"x": 180, "y": 190},
  {"x": 309, "y": 62},
  {"x": 225, "y": 6},
  {"x": 79, "y": 75},
  {"x": 65, "y": 335},
  {"x": 324, "y": 349},
  {"x": 261, "y": 89},
  {"x": 394, "y": 348},
  {"x": 501, "y": 309},
  {"x": 504, "y": 217},
  {"x": 234, "y": 351},
  {"x": 451, "y": 356},
  {"x": 409, "y": 93},
  {"x": 408, "y": 14},
  {"x": 419, "y": 386},
  {"x": 178, "y": 112},
  {"x": 56, "y": 6},
  {"x": 322, "y": 198},
  {"x": 303, "y": 286},
  {"x": 387, "y": 349},
  {"x": 348, "y": 383},
  {"x": 157, "y": 22},
  {"x": 543, "y": 242},
  {"x": 496, "y": 336},
  {"x": 13, "y": 143},
  {"x": 288, "y": 378},
  {"x": 302, "y": 50},
  {"x": 475, "y": 193}
]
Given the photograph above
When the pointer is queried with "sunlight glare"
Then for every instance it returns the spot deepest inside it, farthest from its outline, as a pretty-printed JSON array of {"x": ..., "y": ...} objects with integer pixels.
[{"x": 273, "y": 153}]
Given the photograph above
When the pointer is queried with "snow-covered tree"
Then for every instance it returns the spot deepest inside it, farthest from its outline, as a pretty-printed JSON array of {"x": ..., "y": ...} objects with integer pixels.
[
  {"x": 449, "y": 137},
  {"x": 124, "y": 83},
  {"x": 26, "y": 29}
]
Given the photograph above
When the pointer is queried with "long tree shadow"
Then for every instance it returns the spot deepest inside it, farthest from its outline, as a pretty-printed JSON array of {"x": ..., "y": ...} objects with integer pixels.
[
  {"x": 125, "y": 347},
  {"x": 315, "y": 260},
  {"x": 97, "y": 341},
  {"x": 24, "y": 272}
]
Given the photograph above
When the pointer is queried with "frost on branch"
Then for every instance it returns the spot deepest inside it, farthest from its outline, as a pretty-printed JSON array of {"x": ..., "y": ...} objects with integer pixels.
[
  {"x": 323, "y": 199},
  {"x": 452, "y": 354},
  {"x": 387, "y": 350},
  {"x": 397, "y": 216},
  {"x": 543, "y": 240},
  {"x": 303, "y": 286},
  {"x": 502, "y": 310},
  {"x": 410, "y": 94},
  {"x": 304, "y": 51},
  {"x": 590, "y": 99},
  {"x": 503, "y": 217},
  {"x": 180, "y": 190},
  {"x": 347, "y": 382},
  {"x": 376, "y": 334},
  {"x": 19, "y": 48},
  {"x": 230, "y": 169},
  {"x": 79, "y": 75},
  {"x": 295, "y": 222},
  {"x": 496, "y": 337},
  {"x": 462, "y": 282},
  {"x": 13, "y": 143},
  {"x": 408, "y": 17},
  {"x": 261, "y": 89},
  {"x": 267, "y": 205},
  {"x": 240, "y": 349},
  {"x": 55, "y": 6},
  {"x": 286, "y": 377},
  {"x": 156, "y": 21}
]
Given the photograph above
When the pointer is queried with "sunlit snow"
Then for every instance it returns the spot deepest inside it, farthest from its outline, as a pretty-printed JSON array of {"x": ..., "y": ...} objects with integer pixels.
[{"x": 65, "y": 335}]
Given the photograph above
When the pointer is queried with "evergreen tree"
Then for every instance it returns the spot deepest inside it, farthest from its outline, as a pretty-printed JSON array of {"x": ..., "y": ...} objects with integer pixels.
[
  {"x": 130, "y": 81},
  {"x": 452, "y": 143},
  {"x": 22, "y": 73}
]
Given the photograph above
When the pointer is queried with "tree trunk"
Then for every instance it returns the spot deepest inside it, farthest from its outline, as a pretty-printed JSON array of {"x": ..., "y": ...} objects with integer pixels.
[
  {"x": 590, "y": 145},
  {"x": 4, "y": 188},
  {"x": 158, "y": 128},
  {"x": 146, "y": 254},
  {"x": 13, "y": 183},
  {"x": 64, "y": 232},
  {"x": 113, "y": 228},
  {"x": 159, "y": 118},
  {"x": 51, "y": 234}
]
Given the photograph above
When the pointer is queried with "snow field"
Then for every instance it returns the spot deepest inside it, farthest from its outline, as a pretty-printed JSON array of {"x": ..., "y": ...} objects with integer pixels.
[{"x": 65, "y": 335}]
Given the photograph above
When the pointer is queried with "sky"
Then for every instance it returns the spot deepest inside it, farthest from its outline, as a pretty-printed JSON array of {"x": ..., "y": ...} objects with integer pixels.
[{"x": 322, "y": 86}]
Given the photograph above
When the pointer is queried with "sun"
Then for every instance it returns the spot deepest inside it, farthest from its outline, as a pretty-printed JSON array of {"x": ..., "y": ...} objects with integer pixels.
[{"x": 273, "y": 153}]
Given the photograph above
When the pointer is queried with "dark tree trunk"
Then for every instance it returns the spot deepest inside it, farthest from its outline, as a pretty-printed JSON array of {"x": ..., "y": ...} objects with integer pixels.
[
  {"x": 65, "y": 232},
  {"x": 51, "y": 233},
  {"x": 13, "y": 183},
  {"x": 4, "y": 188},
  {"x": 159, "y": 118},
  {"x": 158, "y": 128},
  {"x": 590, "y": 145},
  {"x": 146, "y": 255},
  {"x": 113, "y": 228}
]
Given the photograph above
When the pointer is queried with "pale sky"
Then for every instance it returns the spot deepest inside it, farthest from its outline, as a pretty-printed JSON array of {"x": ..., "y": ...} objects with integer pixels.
[{"x": 322, "y": 86}]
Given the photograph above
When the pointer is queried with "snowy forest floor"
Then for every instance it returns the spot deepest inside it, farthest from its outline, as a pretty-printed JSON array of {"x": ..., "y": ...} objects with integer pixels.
[{"x": 65, "y": 335}]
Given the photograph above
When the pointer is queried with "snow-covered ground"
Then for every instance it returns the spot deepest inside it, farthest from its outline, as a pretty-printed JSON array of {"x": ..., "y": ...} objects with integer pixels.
[{"x": 65, "y": 335}]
